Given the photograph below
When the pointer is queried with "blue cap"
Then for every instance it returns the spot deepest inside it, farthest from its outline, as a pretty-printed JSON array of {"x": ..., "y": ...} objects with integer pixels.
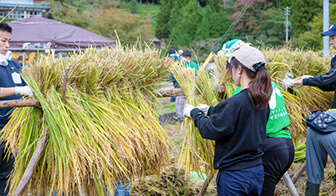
[{"x": 331, "y": 31}]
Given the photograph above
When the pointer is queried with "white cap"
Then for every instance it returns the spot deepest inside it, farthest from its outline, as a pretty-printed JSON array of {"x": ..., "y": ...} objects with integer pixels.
[{"x": 248, "y": 56}]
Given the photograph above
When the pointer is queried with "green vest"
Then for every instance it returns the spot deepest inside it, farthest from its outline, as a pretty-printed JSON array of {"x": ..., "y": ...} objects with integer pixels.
[
  {"x": 278, "y": 118},
  {"x": 191, "y": 64}
]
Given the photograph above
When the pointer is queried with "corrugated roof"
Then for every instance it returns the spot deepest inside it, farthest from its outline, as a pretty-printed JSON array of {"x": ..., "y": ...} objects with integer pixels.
[{"x": 24, "y": 6}]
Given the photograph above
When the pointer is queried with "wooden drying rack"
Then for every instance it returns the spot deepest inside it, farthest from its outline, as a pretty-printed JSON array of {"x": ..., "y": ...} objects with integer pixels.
[{"x": 159, "y": 93}]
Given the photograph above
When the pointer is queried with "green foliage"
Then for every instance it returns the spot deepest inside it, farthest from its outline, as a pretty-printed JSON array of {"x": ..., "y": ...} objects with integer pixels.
[
  {"x": 189, "y": 19},
  {"x": 73, "y": 17},
  {"x": 132, "y": 6},
  {"x": 213, "y": 24},
  {"x": 313, "y": 39},
  {"x": 50, "y": 16},
  {"x": 162, "y": 27},
  {"x": 273, "y": 27},
  {"x": 86, "y": 14},
  {"x": 303, "y": 13},
  {"x": 128, "y": 26}
]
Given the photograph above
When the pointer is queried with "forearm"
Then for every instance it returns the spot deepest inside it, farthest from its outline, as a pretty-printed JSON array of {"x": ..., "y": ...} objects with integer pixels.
[{"x": 5, "y": 92}]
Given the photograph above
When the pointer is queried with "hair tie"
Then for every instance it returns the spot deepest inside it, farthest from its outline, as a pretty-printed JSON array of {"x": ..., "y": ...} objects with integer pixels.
[{"x": 259, "y": 66}]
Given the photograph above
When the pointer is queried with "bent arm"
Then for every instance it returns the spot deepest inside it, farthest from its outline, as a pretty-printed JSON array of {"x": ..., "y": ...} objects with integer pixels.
[
  {"x": 5, "y": 92},
  {"x": 326, "y": 81},
  {"x": 218, "y": 125}
]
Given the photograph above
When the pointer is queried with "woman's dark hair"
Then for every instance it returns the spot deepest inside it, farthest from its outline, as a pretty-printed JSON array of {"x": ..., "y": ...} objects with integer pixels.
[
  {"x": 260, "y": 88},
  {"x": 5, "y": 27}
]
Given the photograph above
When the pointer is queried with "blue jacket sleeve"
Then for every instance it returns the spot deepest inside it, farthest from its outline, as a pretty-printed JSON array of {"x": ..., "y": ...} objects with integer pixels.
[
  {"x": 325, "y": 81},
  {"x": 219, "y": 124}
]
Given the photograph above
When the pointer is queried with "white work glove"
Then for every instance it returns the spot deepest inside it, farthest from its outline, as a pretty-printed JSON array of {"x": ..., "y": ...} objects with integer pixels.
[
  {"x": 301, "y": 78},
  {"x": 287, "y": 81},
  {"x": 24, "y": 91},
  {"x": 187, "y": 109},
  {"x": 204, "y": 108}
]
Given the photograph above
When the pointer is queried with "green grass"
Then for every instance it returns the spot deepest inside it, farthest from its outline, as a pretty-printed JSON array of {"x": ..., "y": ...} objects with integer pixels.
[
  {"x": 165, "y": 107},
  {"x": 149, "y": 10}
]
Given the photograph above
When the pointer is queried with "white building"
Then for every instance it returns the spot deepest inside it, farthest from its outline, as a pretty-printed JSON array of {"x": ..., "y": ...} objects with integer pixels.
[{"x": 26, "y": 8}]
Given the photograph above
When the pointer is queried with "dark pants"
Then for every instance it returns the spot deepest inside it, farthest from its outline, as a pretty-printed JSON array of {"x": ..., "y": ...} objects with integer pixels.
[
  {"x": 278, "y": 157},
  {"x": 6, "y": 166},
  {"x": 241, "y": 182},
  {"x": 176, "y": 85}
]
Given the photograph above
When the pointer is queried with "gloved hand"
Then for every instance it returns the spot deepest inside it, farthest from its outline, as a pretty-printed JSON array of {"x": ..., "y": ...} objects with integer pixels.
[
  {"x": 299, "y": 80},
  {"x": 204, "y": 108},
  {"x": 288, "y": 81},
  {"x": 24, "y": 91},
  {"x": 187, "y": 109}
]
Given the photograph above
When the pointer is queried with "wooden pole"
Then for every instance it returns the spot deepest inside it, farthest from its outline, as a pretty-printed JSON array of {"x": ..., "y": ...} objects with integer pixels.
[
  {"x": 169, "y": 93},
  {"x": 35, "y": 102},
  {"x": 299, "y": 173},
  {"x": 31, "y": 165},
  {"x": 290, "y": 184},
  {"x": 178, "y": 92},
  {"x": 207, "y": 61},
  {"x": 206, "y": 184},
  {"x": 20, "y": 103},
  {"x": 9, "y": 13}
]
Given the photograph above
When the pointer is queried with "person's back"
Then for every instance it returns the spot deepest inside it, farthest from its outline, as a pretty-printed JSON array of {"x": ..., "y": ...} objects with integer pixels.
[
  {"x": 238, "y": 125},
  {"x": 238, "y": 137},
  {"x": 187, "y": 62}
]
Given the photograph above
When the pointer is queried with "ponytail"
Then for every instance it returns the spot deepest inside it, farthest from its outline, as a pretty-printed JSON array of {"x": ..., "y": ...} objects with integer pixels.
[{"x": 260, "y": 88}]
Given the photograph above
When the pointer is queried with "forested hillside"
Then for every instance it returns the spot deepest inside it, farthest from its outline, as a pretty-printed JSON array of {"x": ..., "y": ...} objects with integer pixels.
[{"x": 197, "y": 24}]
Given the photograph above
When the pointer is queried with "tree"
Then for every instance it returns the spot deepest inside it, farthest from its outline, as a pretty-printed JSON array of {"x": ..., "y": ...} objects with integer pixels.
[
  {"x": 312, "y": 39},
  {"x": 128, "y": 26},
  {"x": 132, "y": 6},
  {"x": 252, "y": 18},
  {"x": 186, "y": 23},
  {"x": 213, "y": 24},
  {"x": 273, "y": 26},
  {"x": 163, "y": 26},
  {"x": 303, "y": 13}
]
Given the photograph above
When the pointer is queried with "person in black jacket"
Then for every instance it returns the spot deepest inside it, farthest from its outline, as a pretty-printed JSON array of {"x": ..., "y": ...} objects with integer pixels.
[
  {"x": 319, "y": 146},
  {"x": 238, "y": 125}
]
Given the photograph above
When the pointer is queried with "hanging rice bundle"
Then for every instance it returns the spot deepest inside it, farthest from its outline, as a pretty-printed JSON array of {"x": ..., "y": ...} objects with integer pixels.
[
  {"x": 196, "y": 153},
  {"x": 223, "y": 77},
  {"x": 208, "y": 96},
  {"x": 190, "y": 152},
  {"x": 299, "y": 101},
  {"x": 106, "y": 130}
]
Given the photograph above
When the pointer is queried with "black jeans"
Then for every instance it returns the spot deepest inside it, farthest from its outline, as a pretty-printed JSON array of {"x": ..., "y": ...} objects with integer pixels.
[
  {"x": 6, "y": 166},
  {"x": 278, "y": 157}
]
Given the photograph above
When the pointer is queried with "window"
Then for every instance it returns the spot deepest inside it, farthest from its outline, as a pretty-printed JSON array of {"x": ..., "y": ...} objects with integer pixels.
[
  {"x": 16, "y": 14},
  {"x": 33, "y": 13}
]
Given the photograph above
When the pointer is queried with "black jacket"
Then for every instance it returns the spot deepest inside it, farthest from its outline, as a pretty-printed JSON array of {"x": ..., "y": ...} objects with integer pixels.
[
  {"x": 238, "y": 130},
  {"x": 326, "y": 82}
]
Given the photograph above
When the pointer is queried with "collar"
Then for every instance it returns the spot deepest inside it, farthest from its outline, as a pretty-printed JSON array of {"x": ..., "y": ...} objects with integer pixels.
[{"x": 5, "y": 58}]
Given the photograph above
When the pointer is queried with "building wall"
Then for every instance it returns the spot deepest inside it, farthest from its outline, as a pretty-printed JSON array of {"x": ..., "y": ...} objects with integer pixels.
[
  {"x": 22, "y": 12},
  {"x": 30, "y": 2}
]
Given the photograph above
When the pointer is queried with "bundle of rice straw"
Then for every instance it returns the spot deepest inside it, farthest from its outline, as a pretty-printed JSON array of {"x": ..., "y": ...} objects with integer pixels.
[
  {"x": 107, "y": 129},
  {"x": 299, "y": 101}
]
